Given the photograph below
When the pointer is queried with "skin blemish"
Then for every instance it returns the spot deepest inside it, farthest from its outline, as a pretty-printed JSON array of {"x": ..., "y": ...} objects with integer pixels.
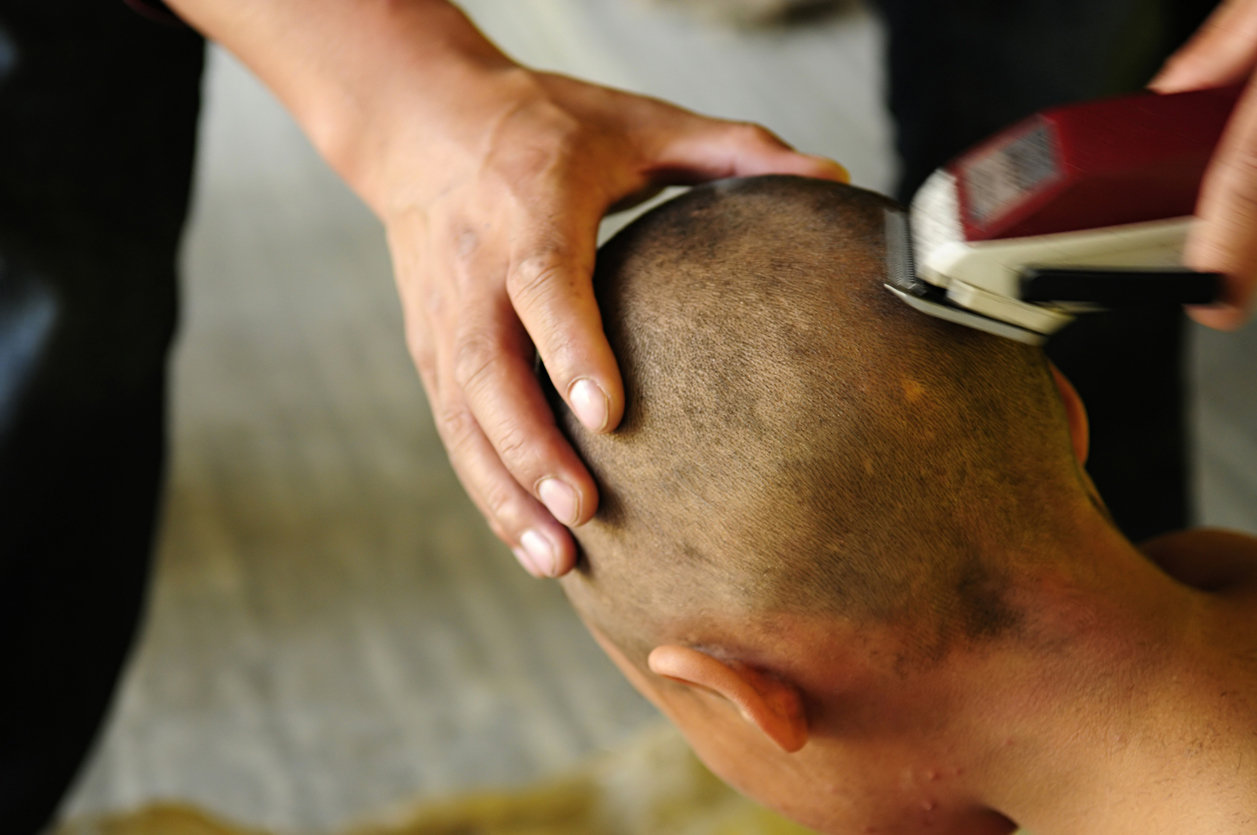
[{"x": 912, "y": 390}]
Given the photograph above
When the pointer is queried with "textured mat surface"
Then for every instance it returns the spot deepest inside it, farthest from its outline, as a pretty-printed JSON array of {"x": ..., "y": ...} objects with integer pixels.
[{"x": 652, "y": 786}]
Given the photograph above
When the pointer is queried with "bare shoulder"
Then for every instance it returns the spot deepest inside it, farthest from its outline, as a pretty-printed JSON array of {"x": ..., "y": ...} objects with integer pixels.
[{"x": 1206, "y": 558}]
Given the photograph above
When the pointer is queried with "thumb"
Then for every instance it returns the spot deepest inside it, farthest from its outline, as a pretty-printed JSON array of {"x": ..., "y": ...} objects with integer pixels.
[
  {"x": 1223, "y": 51},
  {"x": 706, "y": 149}
]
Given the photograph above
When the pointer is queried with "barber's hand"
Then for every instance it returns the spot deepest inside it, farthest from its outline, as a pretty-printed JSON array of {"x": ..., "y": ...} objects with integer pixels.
[
  {"x": 491, "y": 180},
  {"x": 492, "y": 228},
  {"x": 1224, "y": 51}
]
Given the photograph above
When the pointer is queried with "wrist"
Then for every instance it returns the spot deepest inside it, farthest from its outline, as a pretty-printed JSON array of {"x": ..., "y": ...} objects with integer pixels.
[
  {"x": 409, "y": 147},
  {"x": 407, "y": 118},
  {"x": 351, "y": 71}
]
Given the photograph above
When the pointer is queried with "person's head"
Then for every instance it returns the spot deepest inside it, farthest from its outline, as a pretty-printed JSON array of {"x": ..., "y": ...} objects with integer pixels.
[{"x": 817, "y": 495}]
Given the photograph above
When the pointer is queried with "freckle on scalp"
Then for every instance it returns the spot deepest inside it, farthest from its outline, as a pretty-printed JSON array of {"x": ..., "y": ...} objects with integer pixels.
[{"x": 913, "y": 391}]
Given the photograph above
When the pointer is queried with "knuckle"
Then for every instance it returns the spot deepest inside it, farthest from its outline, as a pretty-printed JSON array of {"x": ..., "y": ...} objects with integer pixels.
[
  {"x": 420, "y": 350},
  {"x": 434, "y": 305},
  {"x": 502, "y": 506},
  {"x": 457, "y": 427},
  {"x": 1243, "y": 157},
  {"x": 536, "y": 274},
  {"x": 476, "y": 355},
  {"x": 751, "y": 133},
  {"x": 1241, "y": 174},
  {"x": 514, "y": 447}
]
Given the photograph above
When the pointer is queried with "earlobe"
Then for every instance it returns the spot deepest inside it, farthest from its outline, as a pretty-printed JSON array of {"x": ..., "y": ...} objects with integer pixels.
[
  {"x": 1075, "y": 414},
  {"x": 765, "y": 701}
]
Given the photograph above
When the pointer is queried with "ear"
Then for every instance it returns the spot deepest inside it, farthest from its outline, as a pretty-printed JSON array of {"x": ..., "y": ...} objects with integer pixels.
[
  {"x": 765, "y": 701},
  {"x": 1075, "y": 414}
]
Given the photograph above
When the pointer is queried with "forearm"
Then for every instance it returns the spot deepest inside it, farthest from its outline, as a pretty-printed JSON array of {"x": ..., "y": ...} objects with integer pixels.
[{"x": 343, "y": 68}]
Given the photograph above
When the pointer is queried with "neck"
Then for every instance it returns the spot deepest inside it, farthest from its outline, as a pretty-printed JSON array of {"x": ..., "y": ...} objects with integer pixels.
[{"x": 1131, "y": 704}]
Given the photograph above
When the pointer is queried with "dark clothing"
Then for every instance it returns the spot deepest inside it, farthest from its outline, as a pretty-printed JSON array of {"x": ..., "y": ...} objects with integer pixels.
[
  {"x": 98, "y": 108},
  {"x": 963, "y": 69}
]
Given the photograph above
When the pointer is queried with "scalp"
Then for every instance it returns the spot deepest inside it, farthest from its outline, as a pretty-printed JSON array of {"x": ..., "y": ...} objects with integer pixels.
[{"x": 794, "y": 437}]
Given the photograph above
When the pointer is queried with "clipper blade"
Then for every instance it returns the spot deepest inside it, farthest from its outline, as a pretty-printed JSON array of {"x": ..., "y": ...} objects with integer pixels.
[{"x": 903, "y": 281}]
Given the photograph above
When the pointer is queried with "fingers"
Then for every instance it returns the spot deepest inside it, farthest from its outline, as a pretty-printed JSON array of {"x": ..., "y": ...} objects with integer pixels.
[
  {"x": 1224, "y": 51},
  {"x": 492, "y": 362},
  {"x": 1225, "y": 239},
  {"x": 476, "y": 365},
  {"x": 495, "y": 421},
  {"x": 540, "y": 544},
  {"x": 550, "y": 289}
]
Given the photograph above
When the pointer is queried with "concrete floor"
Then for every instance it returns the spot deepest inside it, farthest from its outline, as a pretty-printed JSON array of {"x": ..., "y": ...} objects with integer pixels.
[{"x": 332, "y": 629}]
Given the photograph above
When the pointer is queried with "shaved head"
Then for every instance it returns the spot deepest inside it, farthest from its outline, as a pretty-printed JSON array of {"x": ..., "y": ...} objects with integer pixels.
[{"x": 797, "y": 440}]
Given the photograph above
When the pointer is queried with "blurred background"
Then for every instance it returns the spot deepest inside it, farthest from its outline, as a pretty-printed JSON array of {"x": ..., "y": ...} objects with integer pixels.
[{"x": 332, "y": 628}]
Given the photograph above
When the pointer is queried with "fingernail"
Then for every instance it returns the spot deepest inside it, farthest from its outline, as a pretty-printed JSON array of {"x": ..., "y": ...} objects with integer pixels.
[
  {"x": 540, "y": 552},
  {"x": 526, "y": 562},
  {"x": 590, "y": 404},
  {"x": 560, "y": 499},
  {"x": 839, "y": 171}
]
